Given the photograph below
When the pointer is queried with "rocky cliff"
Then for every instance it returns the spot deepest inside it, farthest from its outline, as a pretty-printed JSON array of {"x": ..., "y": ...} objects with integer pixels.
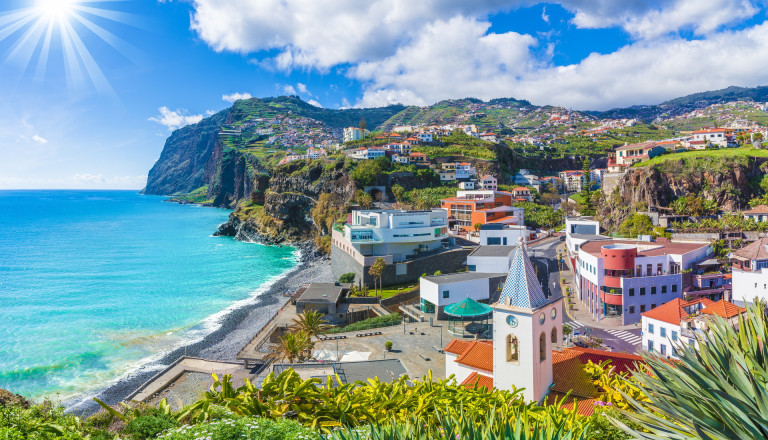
[{"x": 730, "y": 182}]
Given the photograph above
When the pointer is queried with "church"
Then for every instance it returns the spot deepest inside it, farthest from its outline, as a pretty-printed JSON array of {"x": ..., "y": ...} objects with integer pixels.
[{"x": 527, "y": 351}]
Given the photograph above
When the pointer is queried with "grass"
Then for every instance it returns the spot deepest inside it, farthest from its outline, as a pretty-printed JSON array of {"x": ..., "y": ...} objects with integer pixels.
[
  {"x": 720, "y": 154},
  {"x": 366, "y": 324},
  {"x": 395, "y": 290}
]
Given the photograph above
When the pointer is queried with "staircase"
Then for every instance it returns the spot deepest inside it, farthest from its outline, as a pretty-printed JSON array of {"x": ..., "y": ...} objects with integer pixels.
[{"x": 412, "y": 311}]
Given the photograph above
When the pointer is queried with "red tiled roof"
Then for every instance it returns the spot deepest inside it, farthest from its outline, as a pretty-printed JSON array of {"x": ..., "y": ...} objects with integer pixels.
[
  {"x": 757, "y": 250},
  {"x": 479, "y": 380},
  {"x": 723, "y": 309},
  {"x": 479, "y": 354},
  {"x": 759, "y": 209},
  {"x": 521, "y": 188},
  {"x": 673, "y": 312},
  {"x": 568, "y": 374},
  {"x": 622, "y": 362},
  {"x": 457, "y": 346}
]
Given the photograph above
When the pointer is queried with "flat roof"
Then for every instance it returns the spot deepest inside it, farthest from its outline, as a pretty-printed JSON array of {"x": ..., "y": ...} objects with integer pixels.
[
  {"x": 493, "y": 251},
  {"x": 323, "y": 293},
  {"x": 461, "y": 276},
  {"x": 645, "y": 248},
  {"x": 590, "y": 237},
  {"x": 386, "y": 370}
]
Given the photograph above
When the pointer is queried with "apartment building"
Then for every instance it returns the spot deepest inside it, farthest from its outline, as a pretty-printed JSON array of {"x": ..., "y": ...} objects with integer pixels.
[
  {"x": 750, "y": 273},
  {"x": 354, "y": 134},
  {"x": 624, "y": 278},
  {"x": 469, "y": 208}
]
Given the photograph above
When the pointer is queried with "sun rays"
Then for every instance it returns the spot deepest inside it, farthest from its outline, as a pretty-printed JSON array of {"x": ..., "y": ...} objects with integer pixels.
[{"x": 52, "y": 36}]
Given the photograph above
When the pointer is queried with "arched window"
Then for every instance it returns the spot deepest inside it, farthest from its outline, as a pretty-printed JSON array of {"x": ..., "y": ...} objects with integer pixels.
[
  {"x": 513, "y": 353},
  {"x": 554, "y": 338},
  {"x": 543, "y": 347}
]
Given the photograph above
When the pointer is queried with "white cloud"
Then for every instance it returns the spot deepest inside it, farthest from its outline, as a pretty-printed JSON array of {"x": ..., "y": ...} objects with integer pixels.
[
  {"x": 236, "y": 96},
  {"x": 544, "y": 15},
  {"x": 175, "y": 119},
  {"x": 288, "y": 89},
  {"x": 315, "y": 103},
  {"x": 302, "y": 88},
  {"x": 39, "y": 139},
  {"x": 99, "y": 180}
]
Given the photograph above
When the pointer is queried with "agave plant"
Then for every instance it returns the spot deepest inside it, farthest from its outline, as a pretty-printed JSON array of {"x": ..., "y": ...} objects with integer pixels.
[{"x": 716, "y": 391}]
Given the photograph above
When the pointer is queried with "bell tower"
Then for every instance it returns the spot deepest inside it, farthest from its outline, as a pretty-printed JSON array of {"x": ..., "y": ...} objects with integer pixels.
[{"x": 527, "y": 326}]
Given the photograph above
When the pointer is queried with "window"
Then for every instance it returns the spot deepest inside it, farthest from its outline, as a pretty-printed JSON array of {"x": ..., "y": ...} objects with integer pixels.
[
  {"x": 663, "y": 350},
  {"x": 554, "y": 337},
  {"x": 512, "y": 349},
  {"x": 648, "y": 270},
  {"x": 494, "y": 240},
  {"x": 446, "y": 294},
  {"x": 650, "y": 346},
  {"x": 674, "y": 288},
  {"x": 659, "y": 269},
  {"x": 650, "y": 328},
  {"x": 653, "y": 306},
  {"x": 472, "y": 268},
  {"x": 542, "y": 347},
  {"x": 653, "y": 290},
  {"x": 642, "y": 291},
  {"x": 663, "y": 332},
  {"x": 631, "y": 309},
  {"x": 664, "y": 289},
  {"x": 638, "y": 270},
  {"x": 631, "y": 291},
  {"x": 642, "y": 308},
  {"x": 674, "y": 335}
]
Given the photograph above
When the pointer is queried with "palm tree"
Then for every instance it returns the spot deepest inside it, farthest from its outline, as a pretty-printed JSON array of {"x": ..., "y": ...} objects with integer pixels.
[
  {"x": 294, "y": 346},
  {"x": 310, "y": 322},
  {"x": 377, "y": 270}
]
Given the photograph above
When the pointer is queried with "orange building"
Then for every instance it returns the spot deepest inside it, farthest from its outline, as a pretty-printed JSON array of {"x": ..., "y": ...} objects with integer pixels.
[{"x": 469, "y": 208}]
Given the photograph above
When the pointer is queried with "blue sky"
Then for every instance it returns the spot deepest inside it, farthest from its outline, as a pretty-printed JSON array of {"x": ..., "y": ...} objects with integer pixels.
[{"x": 138, "y": 69}]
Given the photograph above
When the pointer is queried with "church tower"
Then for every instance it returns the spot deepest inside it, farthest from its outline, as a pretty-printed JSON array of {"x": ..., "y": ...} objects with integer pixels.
[{"x": 527, "y": 326}]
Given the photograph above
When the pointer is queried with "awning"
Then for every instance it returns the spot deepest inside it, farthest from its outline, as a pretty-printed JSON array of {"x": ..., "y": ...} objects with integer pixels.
[{"x": 467, "y": 308}]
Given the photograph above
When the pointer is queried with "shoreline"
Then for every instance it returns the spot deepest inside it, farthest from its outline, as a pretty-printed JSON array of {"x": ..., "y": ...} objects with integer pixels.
[{"x": 236, "y": 329}]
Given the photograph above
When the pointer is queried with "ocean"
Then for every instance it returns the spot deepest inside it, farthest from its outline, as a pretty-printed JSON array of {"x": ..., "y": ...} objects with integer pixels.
[{"x": 95, "y": 283}]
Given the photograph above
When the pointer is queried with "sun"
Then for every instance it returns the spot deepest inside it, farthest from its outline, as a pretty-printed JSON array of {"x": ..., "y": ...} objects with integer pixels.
[
  {"x": 55, "y": 8},
  {"x": 63, "y": 29}
]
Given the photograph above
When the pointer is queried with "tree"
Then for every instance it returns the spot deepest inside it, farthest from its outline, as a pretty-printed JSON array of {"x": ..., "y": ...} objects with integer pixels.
[
  {"x": 363, "y": 124},
  {"x": 637, "y": 224},
  {"x": 716, "y": 390},
  {"x": 364, "y": 199},
  {"x": 294, "y": 346},
  {"x": 348, "y": 277},
  {"x": 377, "y": 271},
  {"x": 398, "y": 191},
  {"x": 477, "y": 226}
]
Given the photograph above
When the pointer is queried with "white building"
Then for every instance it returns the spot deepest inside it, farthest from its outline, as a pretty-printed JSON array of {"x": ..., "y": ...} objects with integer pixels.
[
  {"x": 489, "y": 182},
  {"x": 758, "y": 213},
  {"x": 494, "y": 234},
  {"x": 678, "y": 322},
  {"x": 354, "y": 134},
  {"x": 490, "y": 137},
  {"x": 491, "y": 259},
  {"x": 438, "y": 291},
  {"x": 526, "y": 178},
  {"x": 367, "y": 153},
  {"x": 468, "y": 185},
  {"x": 579, "y": 230},
  {"x": 424, "y": 137},
  {"x": 750, "y": 273},
  {"x": 396, "y": 233},
  {"x": 464, "y": 170},
  {"x": 715, "y": 136}
]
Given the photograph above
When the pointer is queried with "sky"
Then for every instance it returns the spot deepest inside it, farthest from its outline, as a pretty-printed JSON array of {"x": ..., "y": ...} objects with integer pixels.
[{"x": 90, "y": 90}]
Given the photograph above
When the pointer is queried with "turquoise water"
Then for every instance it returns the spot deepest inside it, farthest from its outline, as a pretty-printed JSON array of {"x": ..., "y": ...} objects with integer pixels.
[{"x": 94, "y": 282}]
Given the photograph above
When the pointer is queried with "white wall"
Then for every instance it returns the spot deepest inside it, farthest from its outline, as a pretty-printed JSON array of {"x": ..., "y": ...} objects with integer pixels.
[
  {"x": 749, "y": 285},
  {"x": 511, "y": 234},
  {"x": 491, "y": 264},
  {"x": 656, "y": 337},
  {"x": 433, "y": 292}
]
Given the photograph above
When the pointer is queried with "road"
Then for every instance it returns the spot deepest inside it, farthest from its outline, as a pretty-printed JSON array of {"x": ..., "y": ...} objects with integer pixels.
[{"x": 544, "y": 257}]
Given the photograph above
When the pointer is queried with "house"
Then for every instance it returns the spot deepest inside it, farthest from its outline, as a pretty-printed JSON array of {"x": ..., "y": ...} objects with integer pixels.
[
  {"x": 424, "y": 137},
  {"x": 467, "y": 185},
  {"x": 464, "y": 170},
  {"x": 679, "y": 322},
  {"x": 572, "y": 180},
  {"x": 629, "y": 154},
  {"x": 579, "y": 230},
  {"x": 412, "y": 140},
  {"x": 489, "y": 182},
  {"x": 469, "y": 208},
  {"x": 438, "y": 291},
  {"x": 492, "y": 234},
  {"x": 526, "y": 350},
  {"x": 750, "y": 273},
  {"x": 354, "y": 134},
  {"x": 758, "y": 213},
  {"x": 367, "y": 153},
  {"x": 708, "y": 279},
  {"x": 490, "y": 137},
  {"x": 323, "y": 298},
  {"x": 718, "y": 137},
  {"x": 400, "y": 158},
  {"x": 625, "y": 278},
  {"x": 522, "y": 194},
  {"x": 419, "y": 158},
  {"x": 526, "y": 178},
  {"x": 447, "y": 175}
]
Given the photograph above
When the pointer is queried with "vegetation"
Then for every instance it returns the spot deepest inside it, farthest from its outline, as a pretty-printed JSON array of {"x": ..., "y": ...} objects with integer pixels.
[
  {"x": 251, "y": 428},
  {"x": 715, "y": 391},
  {"x": 637, "y": 224},
  {"x": 377, "y": 271},
  {"x": 695, "y": 206},
  {"x": 200, "y": 195},
  {"x": 709, "y": 155},
  {"x": 348, "y": 277},
  {"x": 540, "y": 216},
  {"x": 293, "y": 346},
  {"x": 426, "y": 198},
  {"x": 733, "y": 222},
  {"x": 365, "y": 324}
]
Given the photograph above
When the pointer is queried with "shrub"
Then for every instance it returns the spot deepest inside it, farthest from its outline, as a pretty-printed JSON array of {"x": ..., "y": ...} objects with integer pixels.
[
  {"x": 375, "y": 322},
  {"x": 241, "y": 428},
  {"x": 148, "y": 426},
  {"x": 388, "y": 345},
  {"x": 348, "y": 277}
]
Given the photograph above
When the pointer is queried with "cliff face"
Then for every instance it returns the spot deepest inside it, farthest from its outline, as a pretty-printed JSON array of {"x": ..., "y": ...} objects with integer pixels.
[
  {"x": 729, "y": 182},
  {"x": 187, "y": 161}
]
